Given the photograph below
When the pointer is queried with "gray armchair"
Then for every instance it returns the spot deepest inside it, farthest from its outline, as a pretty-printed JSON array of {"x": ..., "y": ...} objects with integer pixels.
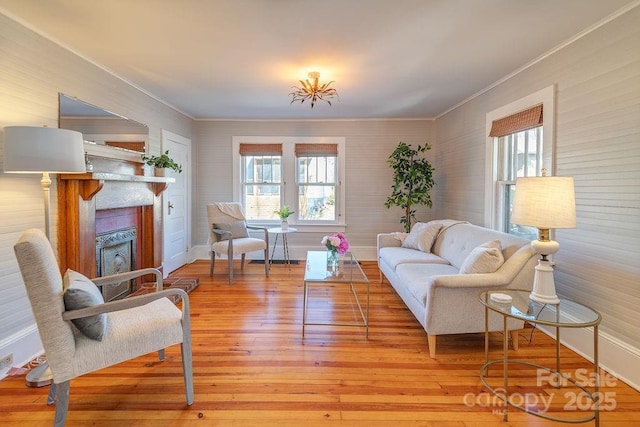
[
  {"x": 133, "y": 326},
  {"x": 229, "y": 236}
]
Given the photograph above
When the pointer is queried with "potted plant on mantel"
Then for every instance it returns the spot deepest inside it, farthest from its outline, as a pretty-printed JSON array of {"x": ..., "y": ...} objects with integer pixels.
[
  {"x": 412, "y": 181},
  {"x": 161, "y": 163}
]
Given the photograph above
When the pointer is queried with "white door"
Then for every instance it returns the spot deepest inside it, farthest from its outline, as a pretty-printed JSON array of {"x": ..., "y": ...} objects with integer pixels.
[{"x": 176, "y": 209}]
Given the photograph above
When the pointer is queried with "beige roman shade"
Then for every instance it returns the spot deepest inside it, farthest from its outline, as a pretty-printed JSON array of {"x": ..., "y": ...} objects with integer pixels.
[
  {"x": 261, "y": 149},
  {"x": 518, "y": 122},
  {"x": 316, "y": 150}
]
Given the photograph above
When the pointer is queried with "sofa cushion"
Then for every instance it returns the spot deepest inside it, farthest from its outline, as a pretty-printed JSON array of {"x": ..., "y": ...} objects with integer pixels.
[
  {"x": 422, "y": 236},
  {"x": 485, "y": 258},
  {"x": 81, "y": 292},
  {"x": 415, "y": 277},
  {"x": 394, "y": 256}
]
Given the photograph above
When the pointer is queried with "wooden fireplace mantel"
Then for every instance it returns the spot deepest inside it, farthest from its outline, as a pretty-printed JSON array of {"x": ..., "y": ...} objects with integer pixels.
[
  {"x": 81, "y": 195},
  {"x": 92, "y": 182}
]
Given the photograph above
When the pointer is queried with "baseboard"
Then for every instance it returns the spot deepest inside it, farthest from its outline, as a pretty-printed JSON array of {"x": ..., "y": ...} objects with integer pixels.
[
  {"x": 24, "y": 345},
  {"x": 616, "y": 357}
]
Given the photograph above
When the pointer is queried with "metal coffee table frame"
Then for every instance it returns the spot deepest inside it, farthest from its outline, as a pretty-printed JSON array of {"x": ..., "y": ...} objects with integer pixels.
[{"x": 348, "y": 272}]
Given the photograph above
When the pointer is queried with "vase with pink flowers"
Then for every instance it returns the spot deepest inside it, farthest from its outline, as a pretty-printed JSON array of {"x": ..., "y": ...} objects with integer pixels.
[{"x": 336, "y": 244}]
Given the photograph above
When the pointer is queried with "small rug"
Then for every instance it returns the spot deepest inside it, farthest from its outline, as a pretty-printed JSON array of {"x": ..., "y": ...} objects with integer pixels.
[
  {"x": 275, "y": 261},
  {"x": 187, "y": 284}
]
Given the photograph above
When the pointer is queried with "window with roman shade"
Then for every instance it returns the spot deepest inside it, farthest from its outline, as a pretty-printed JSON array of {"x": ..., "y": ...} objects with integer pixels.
[
  {"x": 519, "y": 148},
  {"x": 301, "y": 172},
  {"x": 261, "y": 179},
  {"x": 317, "y": 181}
]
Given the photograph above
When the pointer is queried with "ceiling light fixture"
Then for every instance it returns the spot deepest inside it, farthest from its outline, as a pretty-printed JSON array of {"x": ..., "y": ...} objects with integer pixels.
[{"x": 313, "y": 90}]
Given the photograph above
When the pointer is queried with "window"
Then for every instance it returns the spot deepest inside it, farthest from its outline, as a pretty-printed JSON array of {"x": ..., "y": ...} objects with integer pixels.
[
  {"x": 261, "y": 179},
  {"x": 317, "y": 180},
  {"x": 304, "y": 173},
  {"x": 519, "y": 155},
  {"x": 519, "y": 144}
]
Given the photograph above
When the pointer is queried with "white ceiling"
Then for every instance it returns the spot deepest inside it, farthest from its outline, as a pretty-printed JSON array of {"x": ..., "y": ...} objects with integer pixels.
[{"x": 239, "y": 59}]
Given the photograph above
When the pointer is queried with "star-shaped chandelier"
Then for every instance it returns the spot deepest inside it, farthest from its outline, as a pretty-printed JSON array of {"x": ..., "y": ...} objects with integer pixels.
[{"x": 313, "y": 90}]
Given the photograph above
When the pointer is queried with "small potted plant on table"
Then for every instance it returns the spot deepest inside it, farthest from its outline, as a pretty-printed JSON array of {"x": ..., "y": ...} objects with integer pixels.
[{"x": 284, "y": 213}]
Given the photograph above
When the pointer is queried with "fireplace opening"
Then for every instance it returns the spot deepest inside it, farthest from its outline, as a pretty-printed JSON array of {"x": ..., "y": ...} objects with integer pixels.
[{"x": 116, "y": 253}]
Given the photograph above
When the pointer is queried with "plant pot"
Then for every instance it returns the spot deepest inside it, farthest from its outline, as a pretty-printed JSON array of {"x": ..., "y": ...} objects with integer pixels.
[
  {"x": 160, "y": 172},
  {"x": 284, "y": 224}
]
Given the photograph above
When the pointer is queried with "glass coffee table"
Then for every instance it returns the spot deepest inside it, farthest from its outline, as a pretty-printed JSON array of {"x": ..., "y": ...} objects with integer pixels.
[{"x": 348, "y": 272}]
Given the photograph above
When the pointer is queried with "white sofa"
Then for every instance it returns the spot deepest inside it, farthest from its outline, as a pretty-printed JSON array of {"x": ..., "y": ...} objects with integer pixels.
[{"x": 430, "y": 282}]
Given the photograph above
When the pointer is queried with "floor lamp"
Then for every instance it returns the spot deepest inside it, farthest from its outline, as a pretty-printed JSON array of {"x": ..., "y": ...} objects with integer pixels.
[
  {"x": 29, "y": 149},
  {"x": 544, "y": 202}
]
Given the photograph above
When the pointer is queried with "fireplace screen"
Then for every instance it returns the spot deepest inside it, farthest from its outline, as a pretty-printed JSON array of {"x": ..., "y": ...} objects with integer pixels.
[{"x": 116, "y": 253}]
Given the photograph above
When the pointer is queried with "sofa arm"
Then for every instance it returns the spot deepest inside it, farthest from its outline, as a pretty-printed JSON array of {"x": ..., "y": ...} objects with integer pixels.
[
  {"x": 522, "y": 261},
  {"x": 385, "y": 240},
  {"x": 484, "y": 280},
  {"x": 452, "y": 304}
]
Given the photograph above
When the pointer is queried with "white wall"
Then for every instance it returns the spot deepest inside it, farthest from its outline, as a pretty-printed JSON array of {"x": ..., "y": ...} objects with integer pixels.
[
  {"x": 368, "y": 145},
  {"x": 32, "y": 72},
  {"x": 597, "y": 80}
]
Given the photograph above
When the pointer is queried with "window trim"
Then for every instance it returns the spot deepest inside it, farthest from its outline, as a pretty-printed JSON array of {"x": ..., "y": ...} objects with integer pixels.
[
  {"x": 546, "y": 97},
  {"x": 288, "y": 147}
]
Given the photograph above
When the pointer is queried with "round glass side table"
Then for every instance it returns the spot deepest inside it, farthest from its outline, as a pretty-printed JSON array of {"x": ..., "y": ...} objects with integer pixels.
[{"x": 515, "y": 303}]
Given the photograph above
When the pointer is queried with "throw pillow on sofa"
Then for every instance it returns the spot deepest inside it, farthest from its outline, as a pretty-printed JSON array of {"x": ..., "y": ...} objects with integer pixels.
[
  {"x": 400, "y": 235},
  {"x": 486, "y": 258},
  {"x": 422, "y": 236},
  {"x": 81, "y": 292}
]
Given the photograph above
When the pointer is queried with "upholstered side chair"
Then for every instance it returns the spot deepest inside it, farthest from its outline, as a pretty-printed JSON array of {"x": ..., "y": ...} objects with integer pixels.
[
  {"x": 229, "y": 236},
  {"x": 130, "y": 327}
]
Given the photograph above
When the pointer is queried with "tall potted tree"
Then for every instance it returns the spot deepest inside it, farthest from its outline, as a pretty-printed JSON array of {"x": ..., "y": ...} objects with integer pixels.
[{"x": 412, "y": 180}]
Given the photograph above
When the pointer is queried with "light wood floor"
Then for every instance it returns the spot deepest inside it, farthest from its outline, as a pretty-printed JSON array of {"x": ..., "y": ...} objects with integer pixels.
[{"x": 252, "y": 368}]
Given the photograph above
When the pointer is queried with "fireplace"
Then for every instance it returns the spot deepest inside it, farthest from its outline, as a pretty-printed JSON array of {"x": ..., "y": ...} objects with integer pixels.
[
  {"x": 117, "y": 200},
  {"x": 116, "y": 253}
]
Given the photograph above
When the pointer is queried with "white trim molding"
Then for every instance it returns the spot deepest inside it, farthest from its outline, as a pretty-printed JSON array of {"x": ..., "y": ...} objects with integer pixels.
[
  {"x": 612, "y": 352},
  {"x": 24, "y": 345}
]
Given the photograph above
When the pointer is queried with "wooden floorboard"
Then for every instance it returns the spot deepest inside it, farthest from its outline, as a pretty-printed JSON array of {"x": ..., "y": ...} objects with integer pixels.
[{"x": 253, "y": 368}]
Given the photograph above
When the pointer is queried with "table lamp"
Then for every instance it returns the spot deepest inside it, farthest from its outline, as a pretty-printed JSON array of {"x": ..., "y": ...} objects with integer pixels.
[
  {"x": 29, "y": 149},
  {"x": 544, "y": 202}
]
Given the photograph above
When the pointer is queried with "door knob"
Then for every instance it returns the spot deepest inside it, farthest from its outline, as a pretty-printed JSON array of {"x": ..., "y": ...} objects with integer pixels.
[{"x": 169, "y": 206}]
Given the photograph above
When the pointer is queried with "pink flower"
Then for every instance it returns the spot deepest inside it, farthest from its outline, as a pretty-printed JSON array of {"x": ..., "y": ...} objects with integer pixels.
[{"x": 336, "y": 242}]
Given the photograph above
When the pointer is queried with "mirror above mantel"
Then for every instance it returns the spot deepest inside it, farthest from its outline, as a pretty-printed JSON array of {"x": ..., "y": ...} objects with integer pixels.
[{"x": 106, "y": 134}]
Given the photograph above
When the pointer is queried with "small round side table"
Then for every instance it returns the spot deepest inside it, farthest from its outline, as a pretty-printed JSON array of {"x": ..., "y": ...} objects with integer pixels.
[{"x": 285, "y": 245}]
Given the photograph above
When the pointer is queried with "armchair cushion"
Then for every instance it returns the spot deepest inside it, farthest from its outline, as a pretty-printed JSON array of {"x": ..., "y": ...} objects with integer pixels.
[
  {"x": 80, "y": 292},
  {"x": 486, "y": 258},
  {"x": 238, "y": 229}
]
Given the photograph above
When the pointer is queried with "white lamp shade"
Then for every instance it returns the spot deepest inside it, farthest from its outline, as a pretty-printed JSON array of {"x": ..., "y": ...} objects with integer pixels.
[
  {"x": 544, "y": 202},
  {"x": 30, "y": 149}
]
